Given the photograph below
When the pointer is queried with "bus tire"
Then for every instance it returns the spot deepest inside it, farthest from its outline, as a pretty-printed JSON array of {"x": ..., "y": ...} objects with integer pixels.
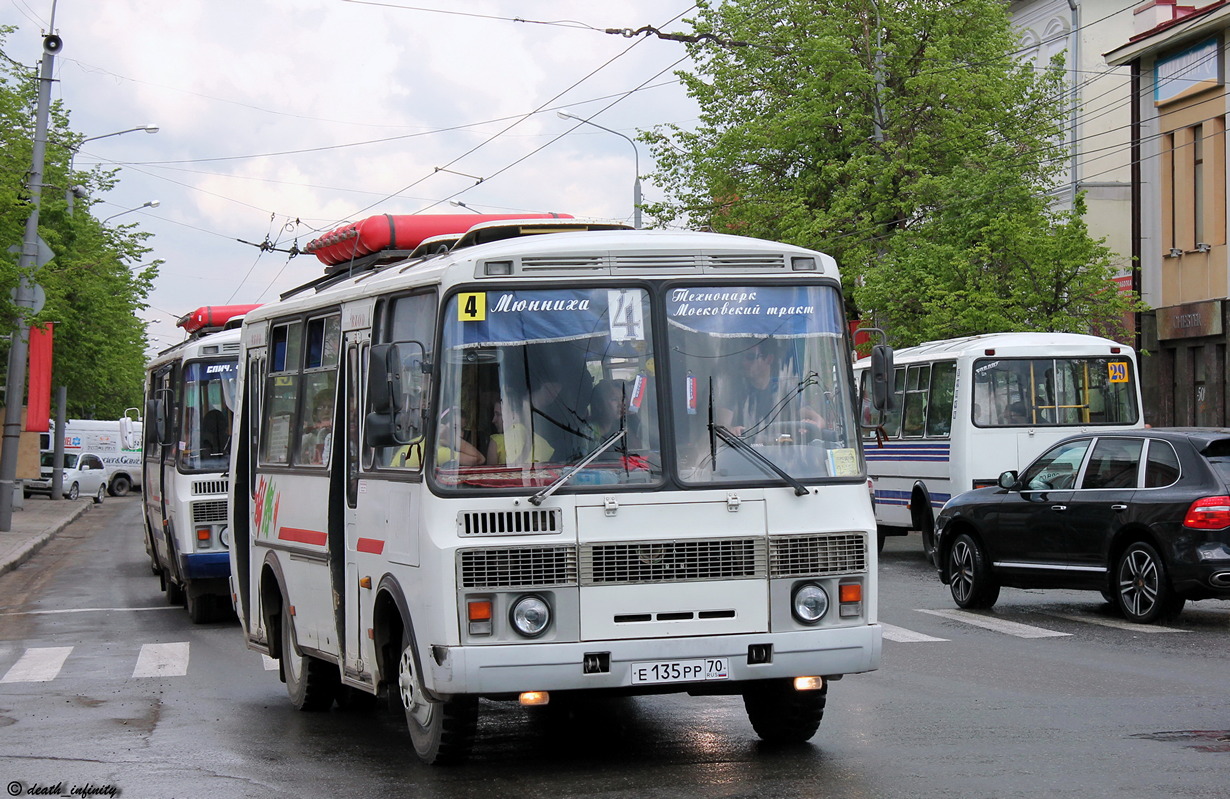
[
  {"x": 311, "y": 683},
  {"x": 781, "y": 715},
  {"x": 120, "y": 486},
  {"x": 442, "y": 732},
  {"x": 200, "y": 607}
]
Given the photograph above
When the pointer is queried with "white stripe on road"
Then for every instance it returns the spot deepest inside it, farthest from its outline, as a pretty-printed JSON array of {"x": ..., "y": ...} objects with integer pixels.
[
  {"x": 162, "y": 660},
  {"x": 270, "y": 663},
  {"x": 85, "y": 610},
  {"x": 38, "y": 665},
  {"x": 904, "y": 636},
  {"x": 998, "y": 625},
  {"x": 1119, "y": 624}
]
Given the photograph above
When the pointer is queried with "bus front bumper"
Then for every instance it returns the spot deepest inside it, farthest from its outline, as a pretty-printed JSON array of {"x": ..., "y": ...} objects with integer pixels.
[
  {"x": 512, "y": 669},
  {"x": 205, "y": 565}
]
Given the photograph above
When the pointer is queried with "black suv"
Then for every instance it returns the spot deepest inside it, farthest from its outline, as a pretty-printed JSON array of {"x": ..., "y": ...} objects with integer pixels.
[{"x": 1142, "y": 516}]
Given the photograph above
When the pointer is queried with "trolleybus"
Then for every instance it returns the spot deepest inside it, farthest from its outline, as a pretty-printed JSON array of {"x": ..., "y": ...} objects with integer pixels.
[
  {"x": 189, "y": 391},
  {"x": 561, "y": 458},
  {"x": 967, "y": 409}
]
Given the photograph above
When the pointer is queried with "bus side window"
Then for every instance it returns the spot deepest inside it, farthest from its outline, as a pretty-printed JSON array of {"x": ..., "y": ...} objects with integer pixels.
[
  {"x": 918, "y": 379},
  {"x": 892, "y": 417},
  {"x": 939, "y": 408}
]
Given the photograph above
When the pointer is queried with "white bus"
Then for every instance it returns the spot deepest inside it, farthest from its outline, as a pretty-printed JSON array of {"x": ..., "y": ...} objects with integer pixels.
[
  {"x": 189, "y": 392},
  {"x": 967, "y": 409},
  {"x": 435, "y": 494}
]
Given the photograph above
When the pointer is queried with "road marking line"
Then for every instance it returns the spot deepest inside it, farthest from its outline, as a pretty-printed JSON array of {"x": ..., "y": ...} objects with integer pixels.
[
  {"x": 998, "y": 625},
  {"x": 904, "y": 636},
  {"x": 1119, "y": 624},
  {"x": 38, "y": 665},
  {"x": 82, "y": 610},
  {"x": 162, "y": 660},
  {"x": 270, "y": 663}
]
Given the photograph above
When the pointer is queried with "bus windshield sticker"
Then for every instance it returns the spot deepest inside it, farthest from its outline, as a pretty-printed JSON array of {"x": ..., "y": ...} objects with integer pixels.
[
  {"x": 746, "y": 311},
  {"x": 471, "y": 307},
  {"x": 627, "y": 318}
]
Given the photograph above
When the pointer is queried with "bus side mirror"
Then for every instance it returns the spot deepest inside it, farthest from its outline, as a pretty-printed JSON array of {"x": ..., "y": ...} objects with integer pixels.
[
  {"x": 882, "y": 377},
  {"x": 156, "y": 410},
  {"x": 394, "y": 413}
]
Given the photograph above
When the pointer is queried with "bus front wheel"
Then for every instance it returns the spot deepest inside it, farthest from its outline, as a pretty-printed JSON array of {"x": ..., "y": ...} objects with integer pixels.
[
  {"x": 782, "y": 715},
  {"x": 442, "y": 732}
]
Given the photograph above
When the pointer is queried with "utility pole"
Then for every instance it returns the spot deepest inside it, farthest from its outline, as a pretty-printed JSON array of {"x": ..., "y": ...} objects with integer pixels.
[{"x": 25, "y": 294}]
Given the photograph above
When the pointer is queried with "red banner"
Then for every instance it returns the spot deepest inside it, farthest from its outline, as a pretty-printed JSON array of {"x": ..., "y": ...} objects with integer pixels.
[{"x": 38, "y": 410}]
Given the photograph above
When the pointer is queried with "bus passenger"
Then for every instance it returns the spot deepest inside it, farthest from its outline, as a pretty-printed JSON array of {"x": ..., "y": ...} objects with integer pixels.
[{"x": 510, "y": 443}]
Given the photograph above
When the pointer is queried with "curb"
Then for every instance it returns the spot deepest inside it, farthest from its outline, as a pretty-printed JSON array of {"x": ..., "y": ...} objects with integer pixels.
[{"x": 28, "y": 549}]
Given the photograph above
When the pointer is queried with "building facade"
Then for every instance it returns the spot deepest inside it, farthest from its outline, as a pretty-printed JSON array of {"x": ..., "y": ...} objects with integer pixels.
[{"x": 1176, "y": 55}]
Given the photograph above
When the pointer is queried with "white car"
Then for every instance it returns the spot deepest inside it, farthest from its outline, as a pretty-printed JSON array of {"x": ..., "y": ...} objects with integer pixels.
[{"x": 84, "y": 475}]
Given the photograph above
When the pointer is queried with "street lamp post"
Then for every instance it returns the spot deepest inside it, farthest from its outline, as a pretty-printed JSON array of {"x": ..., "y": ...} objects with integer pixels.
[
  {"x": 636, "y": 187},
  {"x": 79, "y": 191},
  {"x": 146, "y": 204}
]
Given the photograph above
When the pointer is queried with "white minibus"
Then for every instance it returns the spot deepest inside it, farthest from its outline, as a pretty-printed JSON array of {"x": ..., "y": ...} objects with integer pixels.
[
  {"x": 967, "y": 409},
  {"x": 559, "y": 458}
]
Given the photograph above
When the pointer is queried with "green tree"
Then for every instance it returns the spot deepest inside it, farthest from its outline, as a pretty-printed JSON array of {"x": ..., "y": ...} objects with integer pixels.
[
  {"x": 93, "y": 291},
  {"x": 905, "y": 138}
]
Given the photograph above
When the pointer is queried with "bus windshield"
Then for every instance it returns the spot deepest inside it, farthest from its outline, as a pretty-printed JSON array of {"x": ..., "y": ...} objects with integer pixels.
[
  {"x": 1054, "y": 392},
  {"x": 760, "y": 366},
  {"x": 535, "y": 381},
  {"x": 208, "y": 407}
]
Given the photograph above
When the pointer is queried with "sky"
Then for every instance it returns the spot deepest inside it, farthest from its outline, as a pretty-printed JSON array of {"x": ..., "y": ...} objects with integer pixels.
[{"x": 280, "y": 120}]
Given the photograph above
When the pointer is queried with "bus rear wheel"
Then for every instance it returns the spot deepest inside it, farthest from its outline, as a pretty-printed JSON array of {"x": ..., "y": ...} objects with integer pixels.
[
  {"x": 782, "y": 715},
  {"x": 312, "y": 684},
  {"x": 442, "y": 732}
]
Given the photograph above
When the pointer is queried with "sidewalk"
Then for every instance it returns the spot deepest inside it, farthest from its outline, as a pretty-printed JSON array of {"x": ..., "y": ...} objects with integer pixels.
[{"x": 34, "y": 525}]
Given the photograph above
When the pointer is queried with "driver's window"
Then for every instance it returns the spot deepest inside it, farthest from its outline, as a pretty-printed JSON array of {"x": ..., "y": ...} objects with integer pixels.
[
  {"x": 1057, "y": 469},
  {"x": 407, "y": 319}
]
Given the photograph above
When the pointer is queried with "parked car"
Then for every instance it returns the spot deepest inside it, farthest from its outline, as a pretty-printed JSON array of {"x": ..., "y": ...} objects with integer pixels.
[
  {"x": 1142, "y": 516},
  {"x": 84, "y": 475}
]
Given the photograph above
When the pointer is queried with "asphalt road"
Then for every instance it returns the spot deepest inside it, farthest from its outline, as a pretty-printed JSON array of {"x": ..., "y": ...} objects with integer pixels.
[{"x": 1070, "y": 703}]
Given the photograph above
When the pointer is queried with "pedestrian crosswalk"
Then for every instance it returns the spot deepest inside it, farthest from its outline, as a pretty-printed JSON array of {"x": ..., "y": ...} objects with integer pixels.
[
  {"x": 154, "y": 660},
  {"x": 173, "y": 659}
]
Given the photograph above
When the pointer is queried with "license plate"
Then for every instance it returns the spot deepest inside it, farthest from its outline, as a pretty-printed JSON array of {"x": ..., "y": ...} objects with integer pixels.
[{"x": 663, "y": 671}]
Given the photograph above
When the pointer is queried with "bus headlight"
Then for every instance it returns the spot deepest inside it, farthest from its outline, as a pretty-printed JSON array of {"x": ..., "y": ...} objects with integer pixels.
[
  {"x": 810, "y": 603},
  {"x": 530, "y": 616}
]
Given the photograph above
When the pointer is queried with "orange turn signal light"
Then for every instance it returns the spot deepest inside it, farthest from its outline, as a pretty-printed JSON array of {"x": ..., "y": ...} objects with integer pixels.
[
  {"x": 851, "y": 592},
  {"x": 479, "y": 609}
]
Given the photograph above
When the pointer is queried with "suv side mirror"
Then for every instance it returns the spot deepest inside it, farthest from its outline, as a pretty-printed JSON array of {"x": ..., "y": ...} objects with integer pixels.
[{"x": 1008, "y": 480}]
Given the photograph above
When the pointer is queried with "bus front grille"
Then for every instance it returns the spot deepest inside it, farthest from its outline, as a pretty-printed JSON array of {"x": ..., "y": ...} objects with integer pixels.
[
  {"x": 517, "y": 567},
  {"x": 209, "y": 512},
  {"x": 673, "y": 561},
  {"x": 539, "y": 521},
  {"x": 817, "y": 555}
]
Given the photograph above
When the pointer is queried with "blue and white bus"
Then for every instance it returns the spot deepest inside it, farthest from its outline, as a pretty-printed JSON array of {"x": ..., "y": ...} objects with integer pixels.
[{"x": 967, "y": 409}]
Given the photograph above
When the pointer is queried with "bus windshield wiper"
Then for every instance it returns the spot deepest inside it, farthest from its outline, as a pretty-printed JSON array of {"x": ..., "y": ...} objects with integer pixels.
[
  {"x": 537, "y": 499},
  {"x": 736, "y": 443}
]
